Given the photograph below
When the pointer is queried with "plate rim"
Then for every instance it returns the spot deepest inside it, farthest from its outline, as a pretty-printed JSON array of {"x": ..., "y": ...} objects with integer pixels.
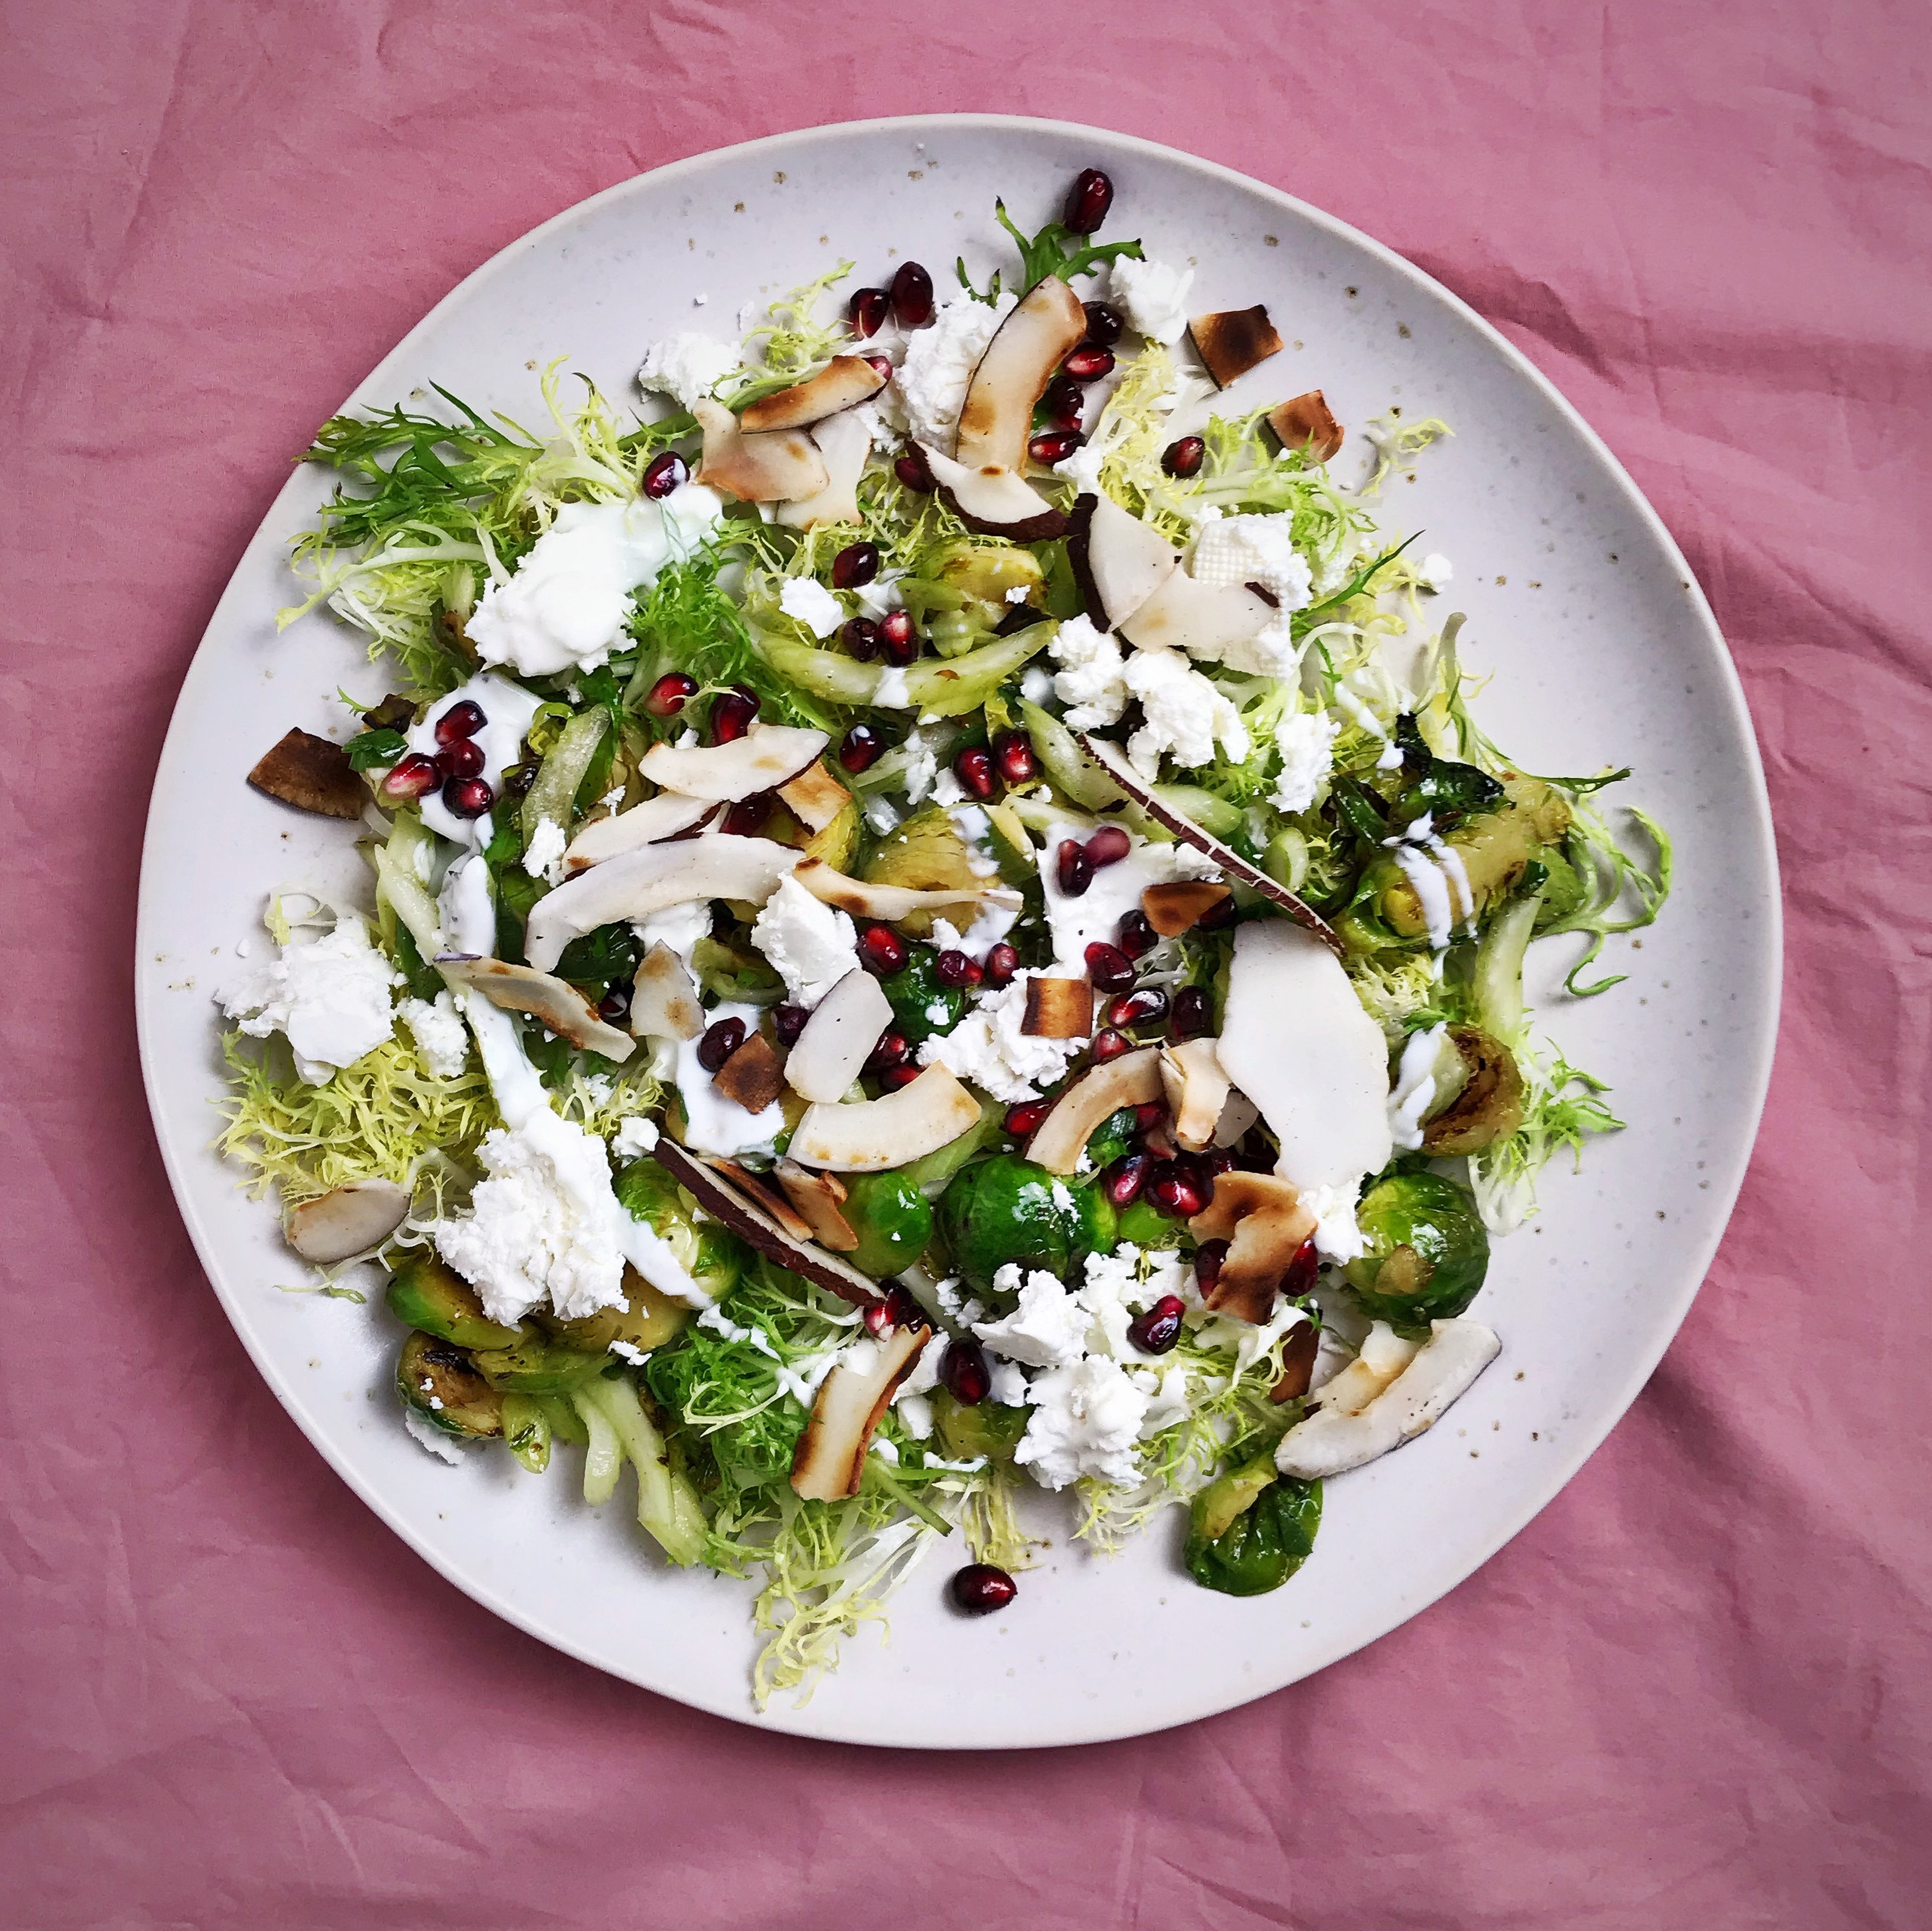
[{"x": 1753, "y": 1084}]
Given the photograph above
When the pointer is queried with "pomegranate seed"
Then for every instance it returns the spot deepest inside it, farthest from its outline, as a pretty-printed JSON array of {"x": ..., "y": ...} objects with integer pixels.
[
  {"x": 1125, "y": 1178},
  {"x": 721, "y": 1039},
  {"x": 1175, "y": 1191},
  {"x": 963, "y": 1368},
  {"x": 857, "y": 563},
  {"x": 670, "y": 694},
  {"x": 897, "y": 637},
  {"x": 463, "y": 759},
  {"x": 467, "y": 797},
  {"x": 614, "y": 1005},
  {"x": 1108, "y": 967},
  {"x": 905, "y": 1312},
  {"x": 1054, "y": 446},
  {"x": 1148, "y": 1115},
  {"x": 881, "y": 950},
  {"x": 878, "y": 1320},
  {"x": 912, "y": 296},
  {"x": 867, "y": 311},
  {"x": 1218, "y": 916},
  {"x": 731, "y": 714},
  {"x": 910, "y": 469},
  {"x": 664, "y": 474},
  {"x": 1184, "y": 457},
  {"x": 1062, "y": 405},
  {"x": 1002, "y": 962},
  {"x": 1104, "y": 325},
  {"x": 1072, "y": 867},
  {"x": 1207, "y": 1259},
  {"x": 979, "y": 1589},
  {"x": 974, "y": 770},
  {"x": 1013, "y": 752},
  {"x": 1087, "y": 201},
  {"x": 860, "y": 636},
  {"x": 893, "y": 1078},
  {"x": 893, "y": 1049},
  {"x": 1136, "y": 937},
  {"x": 1088, "y": 363},
  {"x": 460, "y": 720},
  {"x": 410, "y": 777},
  {"x": 860, "y": 748},
  {"x": 881, "y": 366},
  {"x": 955, "y": 969},
  {"x": 1022, "y": 1122},
  {"x": 1109, "y": 1044},
  {"x": 746, "y": 819},
  {"x": 1302, "y": 1270},
  {"x": 1157, "y": 1331},
  {"x": 1108, "y": 846},
  {"x": 788, "y": 1022},
  {"x": 1193, "y": 1014},
  {"x": 1146, "y": 1007}
]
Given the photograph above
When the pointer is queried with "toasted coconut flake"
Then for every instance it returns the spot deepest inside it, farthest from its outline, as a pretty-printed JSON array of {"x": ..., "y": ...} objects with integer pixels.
[
  {"x": 664, "y": 1004},
  {"x": 312, "y": 775},
  {"x": 754, "y": 1076},
  {"x": 657, "y": 820},
  {"x": 784, "y": 466},
  {"x": 1306, "y": 422},
  {"x": 892, "y": 903},
  {"x": 843, "y": 381},
  {"x": 1114, "y": 762},
  {"x": 747, "y": 1218},
  {"x": 996, "y": 418},
  {"x": 1233, "y": 340},
  {"x": 1298, "y": 1363},
  {"x": 844, "y": 1028},
  {"x": 1117, "y": 561},
  {"x": 830, "y": 1462},
  {"x": 1197, "y": 1090},
  {"x": 346, "y": 1220},
  {"x": 555, "y": 1002},
  {"x": 1239, "y": 1117},
  {"x": 1058, "y": 1008},
  {"x": 1205, "y": 619},
  {"x": 993, "y": 501},
  {"x": 816, "y": 1198},
  {"x": 869, "y": 1136},
  {"x": 755, "y": 1186},
  {"x": 1061, "y": 1137},
  {"x": 1262, "y": 1218},
  {"x": 844, "y": 442},
  {"x": 1173, "y": 909},
  {"x": 814, "y": 797},
  {"x": 765, "y": 757}
]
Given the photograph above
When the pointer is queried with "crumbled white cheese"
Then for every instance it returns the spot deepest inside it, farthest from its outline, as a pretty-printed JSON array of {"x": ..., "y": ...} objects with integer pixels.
[
  {"x": 807, "y": 600},
  {"x": 1307, "y": 742},
  {"x": 687, "y": 365},
  {"x": 1036, "y": 682},
  {"x": 939, "y": 363},
  {"x": 925, "y": 1375},
  {"x": 1082, "y": 469},
  {"x": 444, "y": 1447},
  {"x": 1118, "y": 1285},
  {"x": 1337, "y": 1236},
  {"x": 1047, "y": 1330},
  {"x": 921, "y": 766},
  {"x": 881, "y": 815},
  {"x": 629, "y": 1351},
  {"x": 989, "y": 1048},
  {"x": 810, "y": 946},
  {"x": 891, "y": 692},
  {"x": 1091, "y": 681},
  {"x": 1167, "y": 1396},
  {"x": 331, "y": 997},
  {"x": 1086, "y": 1420},
  {"x": 634, "y": 1138},
  {"x": 1008, "y": 1385},
  {"x": 1435, "y": 572},
  {"x": 1185, "y": 715},
  {"x": 543, "y": 857},
  {"x": 564, "y": 608},
  {"x": 1152, "y": 296},
  {"x": 1236, "y": 550},
  {"x": 947, "y": 788},
  {"x": 442, "y": 1041}
]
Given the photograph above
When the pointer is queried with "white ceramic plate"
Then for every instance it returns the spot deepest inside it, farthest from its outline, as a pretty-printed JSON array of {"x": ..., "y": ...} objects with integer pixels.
[{"x": 1604, "y": 651}]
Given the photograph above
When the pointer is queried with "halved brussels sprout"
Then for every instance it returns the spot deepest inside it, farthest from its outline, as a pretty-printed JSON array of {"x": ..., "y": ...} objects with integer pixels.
[
  {"x": 427, "y": 1293},
  {"x": 1427, "y": 1250},
  {"x": 536, "y": 1365},
  {"x": 1253, "y": 1529},
  {"x": 1007, "y": 1208},
  {"x": 648, "y": 1320},
  {"x": 441, "y": 1383},
  {"x": 986, "y": 1429},
  {"x": 713, "y": 1257},
  {"x": 892, "y": 1218},
  {"x": 926, "y": 853},
  {"x": 1488, "y": 1105}
]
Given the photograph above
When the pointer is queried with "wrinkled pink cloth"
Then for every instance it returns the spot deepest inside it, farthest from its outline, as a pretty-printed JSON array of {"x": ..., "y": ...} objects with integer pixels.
[{"x": 1694, "y": 1692}]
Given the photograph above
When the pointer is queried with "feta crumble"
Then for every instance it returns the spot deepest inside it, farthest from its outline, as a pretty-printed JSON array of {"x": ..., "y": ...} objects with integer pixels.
[
  {"x": 989, "y": 1048},
  {"x": 1153, "y": 296},
  {"x": 444, "y": 1447},
  {"x": 1307, "y": 742},
  {"x": 331, "y": 998},
  {"x": 688, "y": 365},
  {"x": 543, "y": 857},
  {"x": 1091, "y": 681},
  {"x": 807, "y": 599},
  {"x": 442, "y": 1041},
  {"x": 634, "y": 1138},
  {"x": 810, "y": 946},
  {"x": 1185, "y": 715},
  {"x": 1086, "y": 1420},
  {"x": 1048, "y": 1328},
  {"x": 939, "y": 363}
]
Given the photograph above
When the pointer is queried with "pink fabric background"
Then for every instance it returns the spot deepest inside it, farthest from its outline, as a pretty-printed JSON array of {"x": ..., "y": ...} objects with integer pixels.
[{"x": 1692, "y": 1693}]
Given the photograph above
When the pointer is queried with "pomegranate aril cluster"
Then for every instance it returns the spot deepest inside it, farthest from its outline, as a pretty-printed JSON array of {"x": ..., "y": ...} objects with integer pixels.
[{"x": 457, "y": 765}]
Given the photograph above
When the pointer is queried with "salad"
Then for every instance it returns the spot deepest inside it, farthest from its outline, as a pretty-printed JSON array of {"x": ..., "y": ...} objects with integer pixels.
[{"x": 942, "y": 931}]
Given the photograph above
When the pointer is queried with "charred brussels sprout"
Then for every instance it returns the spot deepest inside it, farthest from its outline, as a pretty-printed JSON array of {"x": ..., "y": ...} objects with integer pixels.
[
  {"x": 1252, "y": 1529},
  {"x": 442, "y": 1384},
  {"x": 1007, "y": 1208},
  {"x": 647, "y": 1319},
  {"x": 891, "y": 1218},
  {"x": 428, "y": 1293},
  {"x": 1427, "y": 1250},
  {"x": 1488, "y": 1104}
]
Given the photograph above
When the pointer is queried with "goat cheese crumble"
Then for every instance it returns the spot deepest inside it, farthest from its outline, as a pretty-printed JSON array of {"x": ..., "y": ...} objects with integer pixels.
[
  {"x": 442, "y": 1041},
  {"x": 1091, "y": 681},
  {"x": 939, "y": 363},
  {"x": 330, "y": 998},
  {"x": 1185, "y": 715},
  {"x": 807, "y": 599},
  {"x": 687, "y": 366},
  {"x": 1153, "y": 296},
  {"x": 988, "y": 1047},
  {"x": 810, "y": 945}
]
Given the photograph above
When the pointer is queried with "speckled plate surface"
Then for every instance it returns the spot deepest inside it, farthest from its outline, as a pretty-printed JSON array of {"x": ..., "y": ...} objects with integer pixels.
[{"x": 1604, "y": 651}]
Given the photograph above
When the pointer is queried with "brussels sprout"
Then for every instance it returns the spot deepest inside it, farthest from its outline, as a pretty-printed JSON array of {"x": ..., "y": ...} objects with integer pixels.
[
  {"x": 989, "y": 575},
  {"x": 986, "y": 1429},
  {"x": 441, "y": 1383},
  {"x": 1007, "y": 1208},
  {"x": 921, "y": 1006},
  {"x": 1488, "y": 1105},
  {"x": 1427, "y": 1250},
  {"x": 1252, "y": 1529},
  {"x": 527, "y": 1431},
  {"x": 537, "y": 1365},
  {"x": 932, "y": 1172},
  {"x": 427, "y": 1293},
  {"x": 647, "y": 1320},
  {"x": 892, "y": 1218},
  {"x": 1147, "y": 1228},
  {"x": 709, "y": 1254},
  {"x": 926, "y": 853},
  {"x": 735, "y": 973}
]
